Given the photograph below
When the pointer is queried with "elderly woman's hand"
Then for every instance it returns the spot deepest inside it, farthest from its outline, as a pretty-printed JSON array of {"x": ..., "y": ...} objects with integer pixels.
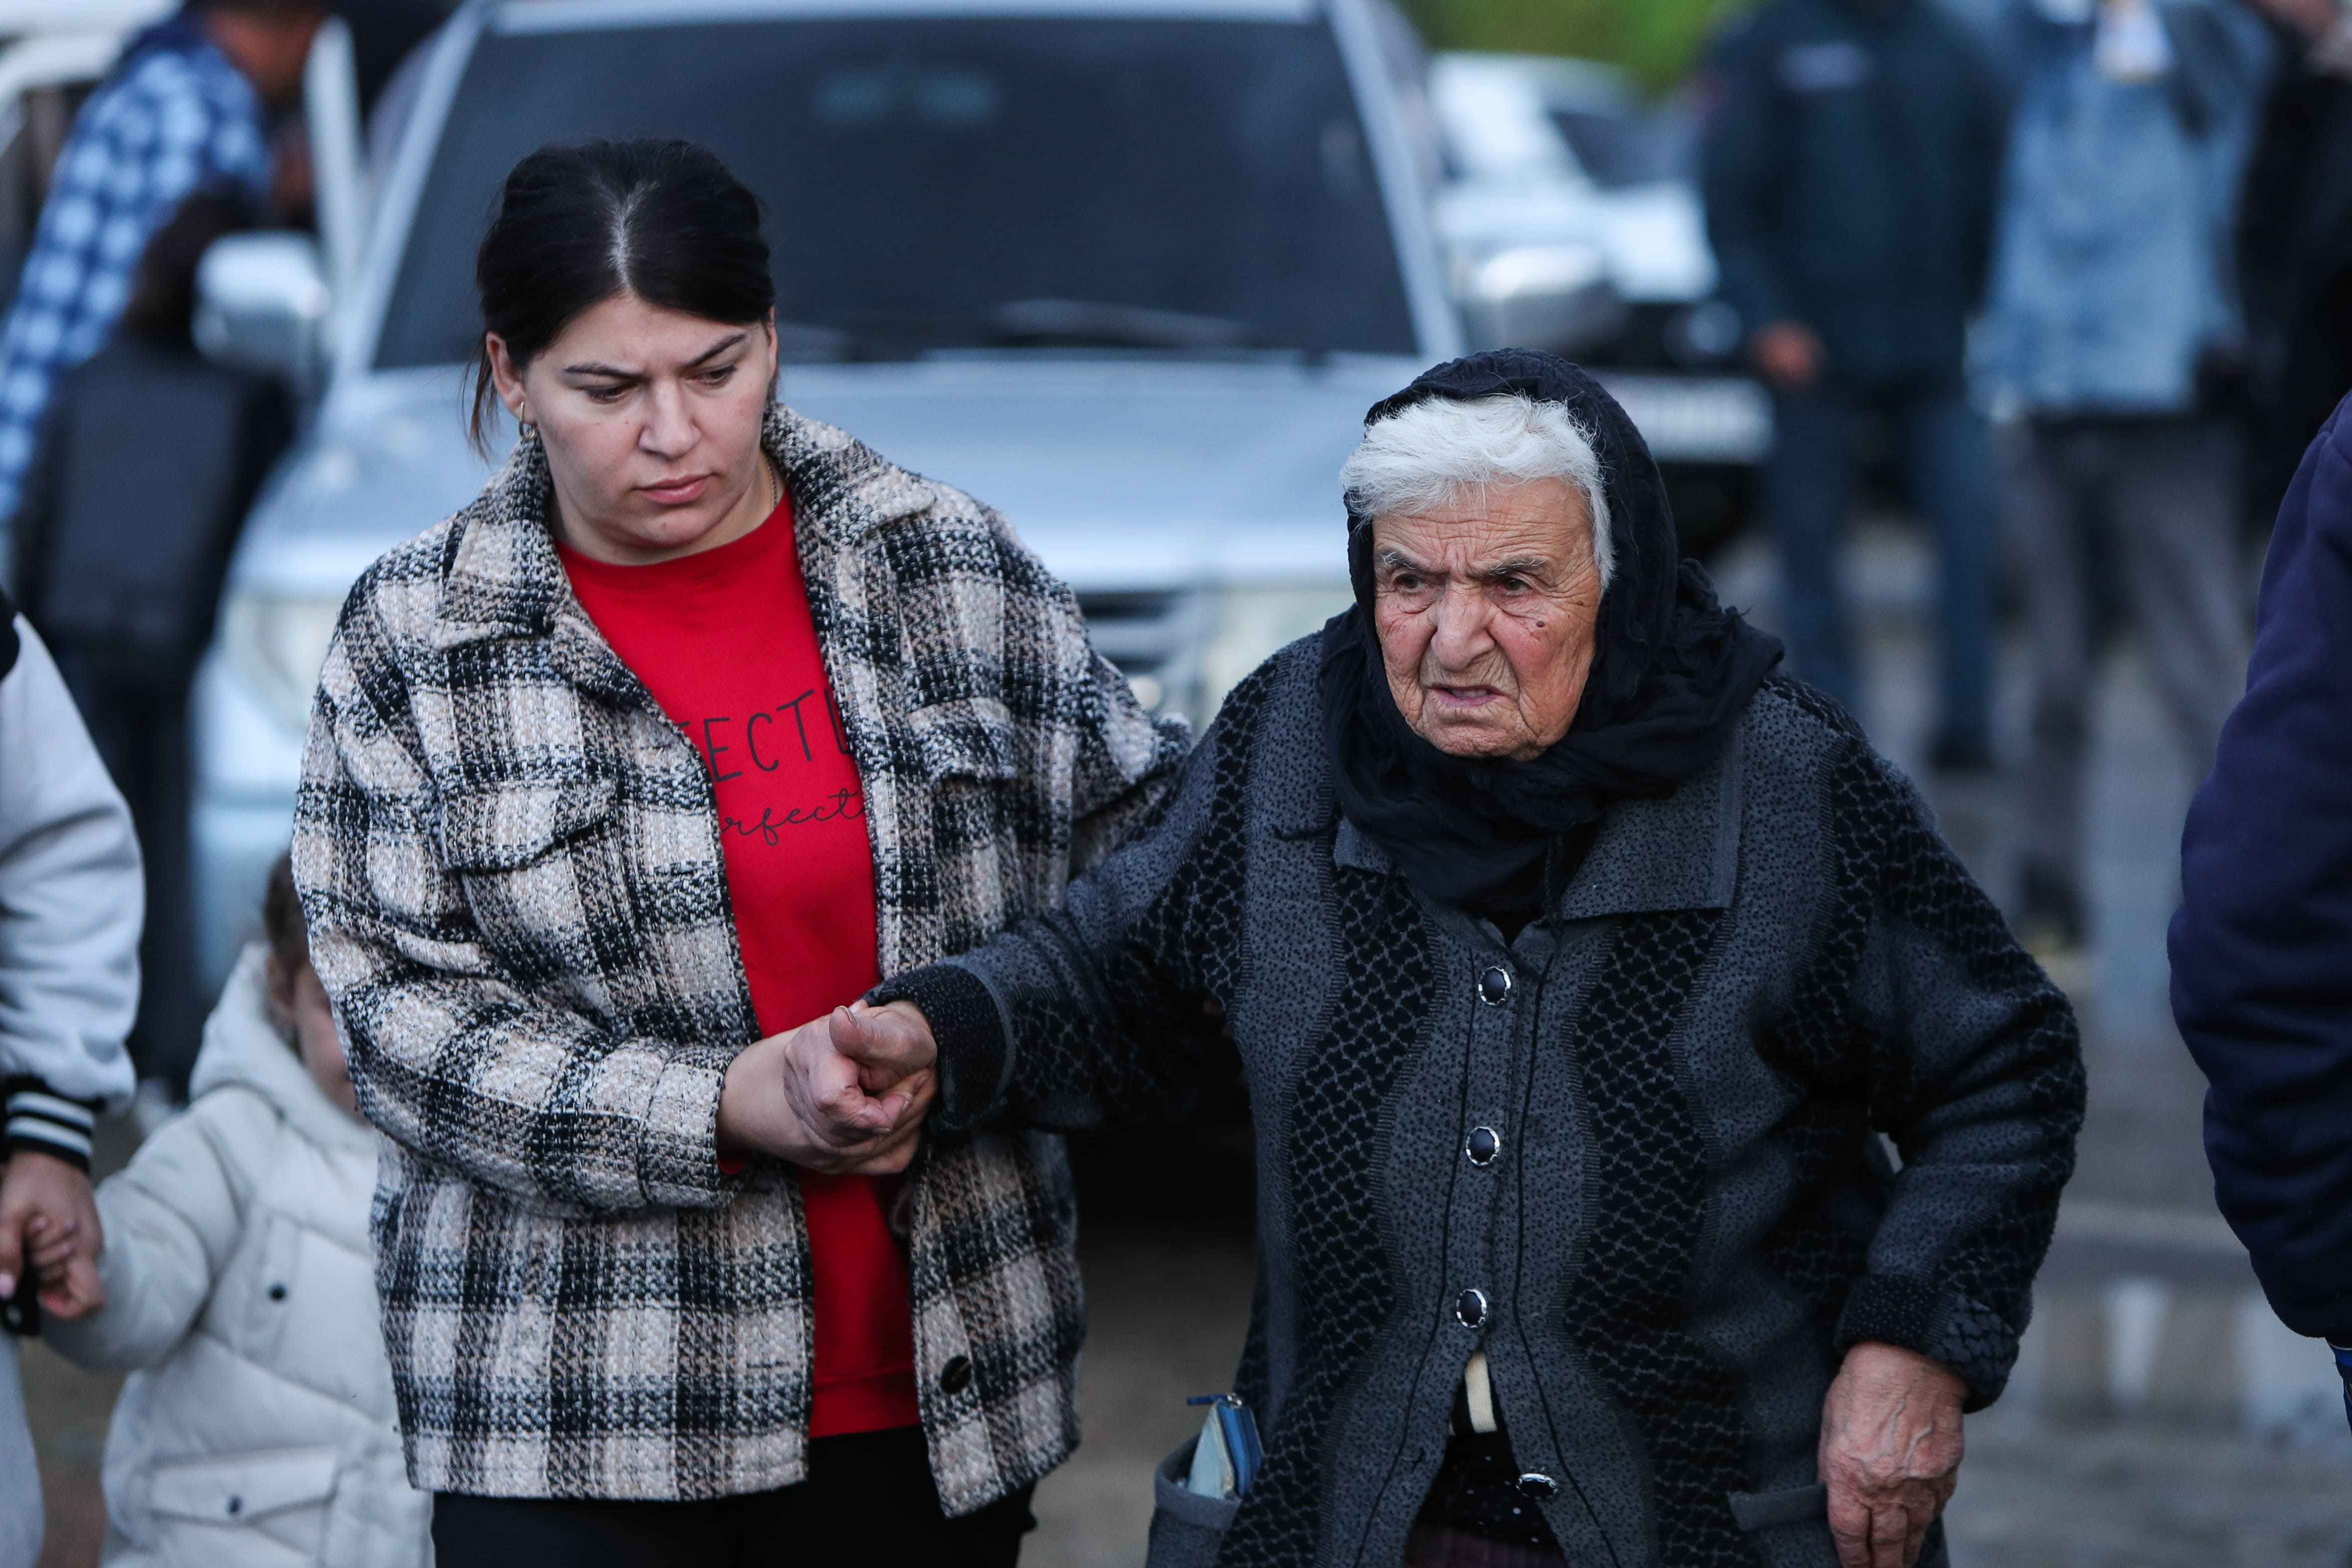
[
  {"x": 1890, "y": 1453},
  {"x": 804, "y": 1097}
]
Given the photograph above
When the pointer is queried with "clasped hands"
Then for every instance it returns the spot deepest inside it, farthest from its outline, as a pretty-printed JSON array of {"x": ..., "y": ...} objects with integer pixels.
[{"x": 843, "y": 1095}]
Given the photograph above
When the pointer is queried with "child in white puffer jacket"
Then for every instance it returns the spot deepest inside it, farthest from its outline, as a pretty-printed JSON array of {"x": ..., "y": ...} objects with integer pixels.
[{"x": 258, "y": 1427}]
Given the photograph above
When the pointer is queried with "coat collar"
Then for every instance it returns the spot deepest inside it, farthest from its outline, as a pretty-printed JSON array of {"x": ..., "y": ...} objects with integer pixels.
[
  {"x": 504, "y": 579},
  {"x": 1677, "y": 852}
]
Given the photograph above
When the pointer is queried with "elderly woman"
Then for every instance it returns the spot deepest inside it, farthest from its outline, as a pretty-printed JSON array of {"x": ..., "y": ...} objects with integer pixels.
[{"x": 1577, "y": 963}]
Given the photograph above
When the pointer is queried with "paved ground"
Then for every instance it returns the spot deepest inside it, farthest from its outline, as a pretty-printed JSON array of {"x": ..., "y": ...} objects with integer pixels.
[{"x": 2161, "y": 1417}]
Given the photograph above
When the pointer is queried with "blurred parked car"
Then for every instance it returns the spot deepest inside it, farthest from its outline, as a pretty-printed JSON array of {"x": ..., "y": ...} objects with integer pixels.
[
  {"x": 1130, "y": 271},
  {"x": 1552, "y": 160}
]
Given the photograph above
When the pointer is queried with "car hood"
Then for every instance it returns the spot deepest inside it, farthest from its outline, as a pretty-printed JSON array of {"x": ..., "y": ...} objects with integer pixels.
[{"x": 1119, "y": 473}]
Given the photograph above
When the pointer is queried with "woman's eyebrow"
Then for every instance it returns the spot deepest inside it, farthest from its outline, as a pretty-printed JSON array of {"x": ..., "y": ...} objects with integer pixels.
[{"x": 590, "y": 368}]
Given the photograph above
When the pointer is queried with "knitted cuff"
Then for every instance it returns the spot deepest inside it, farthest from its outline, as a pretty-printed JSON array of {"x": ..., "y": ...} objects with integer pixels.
[
  {"x": 975, "y": 1052},
  {"x": 47, "y": 1123}
]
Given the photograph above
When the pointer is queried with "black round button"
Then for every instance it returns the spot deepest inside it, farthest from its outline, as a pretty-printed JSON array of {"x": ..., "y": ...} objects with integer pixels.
[
  {"x": 1538, "y": 1485},
  {"x": 276, "y": 1292},
  {"x": 1483, "y": 1145},
  {"x": 1494, "y": 986},
  {"x": 1470, "y": 1309},
  {"x": 236, "y": 1505},
  {"x": 955, "y": 1377}
]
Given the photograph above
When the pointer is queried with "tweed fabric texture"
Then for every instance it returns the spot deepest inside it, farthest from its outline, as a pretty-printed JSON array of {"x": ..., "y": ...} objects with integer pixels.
[
  {"x": 510, "y": 864},
  {"x": 1686, "y": 1215}
]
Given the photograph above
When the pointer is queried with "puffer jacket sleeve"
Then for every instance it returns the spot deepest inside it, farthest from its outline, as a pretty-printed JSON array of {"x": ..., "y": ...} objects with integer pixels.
[
  {"x": 172, "y": 1218},
  {"x": 1969, "y": 1058},
  {"x": 453, "y": 1058},
  {"x": 1097, "y": 1012},
  {"x": 71, "y": 901}
]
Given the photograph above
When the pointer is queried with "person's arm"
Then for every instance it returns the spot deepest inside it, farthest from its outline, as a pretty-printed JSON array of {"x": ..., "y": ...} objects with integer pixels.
[
  {"x": 1984, "y": 149},
  {"x": 453, "y": 1058},
  {"x": 1922, "y": 1006},
  {"x": 1093, "y": 1014},
  {"x": 173, "y": 1218},
  {"x": 1972, "y": 1064},
  {"x": 2262, "y": 945},
  {"x": 71, "y": 898},
  {"x": 1741, "y": 159}
]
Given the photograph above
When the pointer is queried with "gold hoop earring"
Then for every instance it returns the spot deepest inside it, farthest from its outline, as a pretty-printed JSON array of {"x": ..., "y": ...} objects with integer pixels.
[{"x": 530, "y": 431}]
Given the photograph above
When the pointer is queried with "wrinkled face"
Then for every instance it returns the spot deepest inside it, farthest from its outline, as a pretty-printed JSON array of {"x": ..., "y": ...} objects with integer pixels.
[
  {"x": 1485, "y": 611},
  {"x": 651, "y": 420}
]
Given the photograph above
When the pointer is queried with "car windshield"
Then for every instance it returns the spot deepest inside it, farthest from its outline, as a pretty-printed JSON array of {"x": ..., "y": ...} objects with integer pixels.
[
  {"x": 1623, "y": 150},
  {"x": 1000, "y": 183}
]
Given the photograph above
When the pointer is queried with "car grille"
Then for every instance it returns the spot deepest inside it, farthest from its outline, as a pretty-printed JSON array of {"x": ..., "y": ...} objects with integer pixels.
[{"x": 1155, "y": 637}]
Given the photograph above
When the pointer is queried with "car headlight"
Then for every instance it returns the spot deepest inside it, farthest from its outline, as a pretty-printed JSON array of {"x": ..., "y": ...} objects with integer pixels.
[
  {"x": 1256, "y": 622},
  {"x": 276, "y": 645}
]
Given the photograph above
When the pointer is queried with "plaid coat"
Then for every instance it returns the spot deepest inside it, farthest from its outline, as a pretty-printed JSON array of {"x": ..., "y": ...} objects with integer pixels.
[{"x": 510, "y": 864}]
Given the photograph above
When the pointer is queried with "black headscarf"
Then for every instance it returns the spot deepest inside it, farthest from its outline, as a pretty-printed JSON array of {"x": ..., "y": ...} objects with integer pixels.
[{"x": 1672, "y": 671}]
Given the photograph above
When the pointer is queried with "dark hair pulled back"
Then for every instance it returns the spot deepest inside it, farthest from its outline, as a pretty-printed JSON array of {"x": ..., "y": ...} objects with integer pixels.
[{"x": 583, "y": 223}]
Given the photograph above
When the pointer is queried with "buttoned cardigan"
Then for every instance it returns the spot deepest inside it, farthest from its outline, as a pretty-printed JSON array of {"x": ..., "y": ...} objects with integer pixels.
[
  {"x": 1634, "y": 1154},
  {"x": 511, "y": 865}
]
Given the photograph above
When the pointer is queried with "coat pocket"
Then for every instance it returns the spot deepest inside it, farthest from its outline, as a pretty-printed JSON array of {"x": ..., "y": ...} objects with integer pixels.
[
  {"x": 239, "y": 1489},
  {"x": 497, "y": 827},
  {"x": 1186, "y": 1528},
  {"x": 970, "y": 738}
]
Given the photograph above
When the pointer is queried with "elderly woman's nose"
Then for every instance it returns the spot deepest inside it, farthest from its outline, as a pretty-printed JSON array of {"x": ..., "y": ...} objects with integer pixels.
[{"x": 1462, "y": 625}]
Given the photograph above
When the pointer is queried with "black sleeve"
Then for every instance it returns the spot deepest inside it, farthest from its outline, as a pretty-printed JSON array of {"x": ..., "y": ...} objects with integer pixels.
[{"x": 1094, "y": 1013}]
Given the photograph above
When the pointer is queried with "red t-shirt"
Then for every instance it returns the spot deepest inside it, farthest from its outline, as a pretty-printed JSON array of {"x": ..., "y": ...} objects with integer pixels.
[{"x": 724, "y": 642}]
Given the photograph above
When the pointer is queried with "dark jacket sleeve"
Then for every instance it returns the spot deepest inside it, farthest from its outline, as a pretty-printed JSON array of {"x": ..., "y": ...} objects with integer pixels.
[
  {"x": 1921, "y": 1005},
  {"x": 1984, "y": 149},
  {"x": 1094, "y": 1013},
  {"x": 1741, "y": 158},
  {"x": 2261, "y": 947}
]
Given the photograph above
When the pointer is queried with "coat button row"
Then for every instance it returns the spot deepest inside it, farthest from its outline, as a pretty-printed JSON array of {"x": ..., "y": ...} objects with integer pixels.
[
  {"x": 1483, "y": 1145},
  {"x": 955, "y": 1374},
  {"x": 1538, "y": 1485},
  {"x": 1494, "y": 986},
  {"x": 1470, "y": 1309}
]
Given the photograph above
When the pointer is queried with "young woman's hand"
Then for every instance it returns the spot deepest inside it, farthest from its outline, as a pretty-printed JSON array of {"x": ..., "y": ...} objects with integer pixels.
[{"x": 803, "y": 1097}]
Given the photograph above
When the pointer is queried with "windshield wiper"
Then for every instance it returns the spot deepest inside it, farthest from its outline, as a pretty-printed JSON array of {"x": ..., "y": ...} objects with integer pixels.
[{"x": 1101, "y": 324}]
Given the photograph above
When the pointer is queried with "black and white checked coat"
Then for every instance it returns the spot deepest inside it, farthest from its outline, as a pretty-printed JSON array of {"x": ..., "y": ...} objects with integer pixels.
[{"x": 510, "y": 863}]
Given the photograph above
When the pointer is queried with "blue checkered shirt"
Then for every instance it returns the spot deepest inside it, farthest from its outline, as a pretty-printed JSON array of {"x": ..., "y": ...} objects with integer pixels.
[{"x": 174, "y": 118}]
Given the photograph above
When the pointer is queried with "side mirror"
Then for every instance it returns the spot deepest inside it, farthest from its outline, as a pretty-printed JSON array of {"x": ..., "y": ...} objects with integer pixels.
[
  {"x": 1554, "y": 296},
  {"x": 261, "y": 305}
]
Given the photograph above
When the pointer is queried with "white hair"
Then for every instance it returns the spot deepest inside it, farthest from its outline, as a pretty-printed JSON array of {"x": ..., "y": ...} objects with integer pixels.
[{"x": 1434, "y": 453}]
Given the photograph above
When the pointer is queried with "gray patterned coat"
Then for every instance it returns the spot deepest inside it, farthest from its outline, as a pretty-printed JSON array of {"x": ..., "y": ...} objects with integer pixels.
[
  {"x": 511, "y": 868},
  {"x": 1680, "y": 1213}
]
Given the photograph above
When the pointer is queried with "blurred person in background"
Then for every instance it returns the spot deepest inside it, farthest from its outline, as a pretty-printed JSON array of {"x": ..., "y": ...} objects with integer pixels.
[
  {"x": 2262, "y": 945},
  {"x": 69, "y": 896},
  {"x": 257, "y": 1424},
  {"x": 2115, "y": 326},
  {"x": 123, "y": 574},
  {"x": 1850, "y": 159},
  {"x": 2296, "y": 248},
  {"x": 188, "y": 107}
]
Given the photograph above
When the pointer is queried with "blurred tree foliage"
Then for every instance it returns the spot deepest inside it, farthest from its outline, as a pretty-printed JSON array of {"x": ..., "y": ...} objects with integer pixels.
[{"x": 1656, "y": 39}]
